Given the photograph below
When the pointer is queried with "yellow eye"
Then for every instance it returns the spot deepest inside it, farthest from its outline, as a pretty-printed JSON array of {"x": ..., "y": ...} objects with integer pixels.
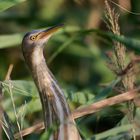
[{"x": 33, "y": 38}]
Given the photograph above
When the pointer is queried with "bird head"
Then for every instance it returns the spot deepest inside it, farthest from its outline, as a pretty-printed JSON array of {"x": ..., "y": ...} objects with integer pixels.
[
  {"x": 33, "y": 44},
  {"x": 37, "y": 38}
]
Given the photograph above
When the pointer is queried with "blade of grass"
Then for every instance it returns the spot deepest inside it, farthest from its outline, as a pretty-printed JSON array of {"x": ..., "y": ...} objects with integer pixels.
[
  {"x": 10, "y": 40},
  {"x": 131, "y": 43},
  {"x": 5, "y": 4},
  {"x": 61, "y": 48},
  {"x": 113, "y": 132}
]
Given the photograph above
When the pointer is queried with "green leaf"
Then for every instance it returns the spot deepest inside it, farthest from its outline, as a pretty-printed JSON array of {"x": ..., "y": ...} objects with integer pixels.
[
  {"x": 5, "y": 4},
  {"x": 125, "y": 120},
  {"x": 81, "y": 97},
  {"x": 105, "y": 92},
  {"x": 33, "y": 106},
  {"x": 113, "y": 132},
  {"x": 131, "y": 43},
  {"x": 10, "y": 40}
]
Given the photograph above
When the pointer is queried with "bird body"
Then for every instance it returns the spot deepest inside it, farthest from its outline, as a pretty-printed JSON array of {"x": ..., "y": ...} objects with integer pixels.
[{"x": 54, "y": 105}]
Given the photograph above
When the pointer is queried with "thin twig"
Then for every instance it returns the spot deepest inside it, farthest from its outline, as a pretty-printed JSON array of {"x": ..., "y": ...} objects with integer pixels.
[
  {"x": 89, "y": 109},
  {"x": 7, "y": 77}
]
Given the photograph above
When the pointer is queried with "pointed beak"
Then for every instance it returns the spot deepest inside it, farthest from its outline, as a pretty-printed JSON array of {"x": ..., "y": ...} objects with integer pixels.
[{"x": 48, "y": 32}]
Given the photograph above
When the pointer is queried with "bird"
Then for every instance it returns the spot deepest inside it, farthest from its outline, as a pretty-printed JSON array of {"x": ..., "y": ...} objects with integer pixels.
[{"x": 56, "y": 110}]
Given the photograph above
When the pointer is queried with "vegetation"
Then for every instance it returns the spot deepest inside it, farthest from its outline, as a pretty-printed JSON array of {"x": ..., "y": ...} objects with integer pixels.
[{"x": 95, "y": 59}]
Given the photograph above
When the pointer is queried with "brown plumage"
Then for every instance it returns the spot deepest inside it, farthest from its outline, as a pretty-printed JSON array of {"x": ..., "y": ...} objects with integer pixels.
[{"x": 55, "y": 107}]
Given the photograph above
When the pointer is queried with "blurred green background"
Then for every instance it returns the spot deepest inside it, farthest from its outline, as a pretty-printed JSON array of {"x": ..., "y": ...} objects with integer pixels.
[{"x": 75, "y": 56}]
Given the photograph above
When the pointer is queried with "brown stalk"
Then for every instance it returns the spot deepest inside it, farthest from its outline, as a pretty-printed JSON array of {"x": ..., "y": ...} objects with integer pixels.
[
  {"x": 7, "y": 77},
  {"x": 119, "y": 60},
  {"x": 89, "y": 109}
]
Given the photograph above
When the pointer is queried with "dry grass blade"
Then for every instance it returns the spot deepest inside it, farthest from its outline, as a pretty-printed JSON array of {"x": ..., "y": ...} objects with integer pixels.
[
  {"x": 89, "y": 109},
  {"x": 7, "y": 77},
  {"x": 35, "y": 128}
]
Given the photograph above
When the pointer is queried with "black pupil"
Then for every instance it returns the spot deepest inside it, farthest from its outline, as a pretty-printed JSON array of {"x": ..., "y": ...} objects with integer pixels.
[{"x": 33, "y": 37}]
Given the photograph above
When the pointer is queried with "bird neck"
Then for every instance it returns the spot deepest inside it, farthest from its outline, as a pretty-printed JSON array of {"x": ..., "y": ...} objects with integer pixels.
[
  {"x": 39, "y": 68},
  {"x": 54, "y": 104},
  {"x": 49, "y": 91},
  {"x": 37, "y": 57}
]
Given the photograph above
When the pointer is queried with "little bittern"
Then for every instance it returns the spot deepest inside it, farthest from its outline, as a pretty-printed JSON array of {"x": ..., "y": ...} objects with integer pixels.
[{"x": 54, "y": 105}]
